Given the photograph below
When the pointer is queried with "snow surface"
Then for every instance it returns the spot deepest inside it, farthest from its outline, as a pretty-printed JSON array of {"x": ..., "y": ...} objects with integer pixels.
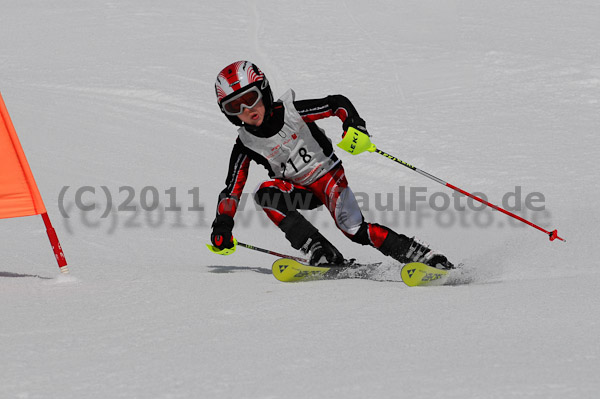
[{"x": 488, "y": 95}]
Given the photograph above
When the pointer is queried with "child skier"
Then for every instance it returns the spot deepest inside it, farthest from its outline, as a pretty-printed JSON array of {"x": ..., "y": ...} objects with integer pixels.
[{"x": 305, "y": 172}]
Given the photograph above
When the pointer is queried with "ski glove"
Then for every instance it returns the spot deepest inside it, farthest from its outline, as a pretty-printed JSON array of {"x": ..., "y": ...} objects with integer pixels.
[
  {"x": 356, "y": 139},
  {"x": 356, "y": 122},
  {"x": 221, "y": 236}
]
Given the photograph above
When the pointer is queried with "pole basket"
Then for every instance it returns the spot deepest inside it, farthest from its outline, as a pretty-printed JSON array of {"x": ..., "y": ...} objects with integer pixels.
[{"x": 554, "y": 235}]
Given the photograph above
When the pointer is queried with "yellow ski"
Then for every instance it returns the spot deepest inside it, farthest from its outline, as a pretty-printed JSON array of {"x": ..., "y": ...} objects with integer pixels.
[
  {"x": 289, "y": 270},
  {"x": 419, "y": 274},
  {"x": 413, "y": 274}
]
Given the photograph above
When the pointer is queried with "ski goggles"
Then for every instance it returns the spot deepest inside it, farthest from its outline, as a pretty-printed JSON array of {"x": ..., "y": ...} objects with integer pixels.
[{"x": 246, "y": 99}]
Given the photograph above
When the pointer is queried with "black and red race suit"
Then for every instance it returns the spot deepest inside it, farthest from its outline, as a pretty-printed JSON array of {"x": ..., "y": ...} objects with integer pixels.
[{"x": 304, "y": 171}]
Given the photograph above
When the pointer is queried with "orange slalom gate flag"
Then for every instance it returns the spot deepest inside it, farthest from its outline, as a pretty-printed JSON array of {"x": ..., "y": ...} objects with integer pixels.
[{"x": 19, "y": 194}]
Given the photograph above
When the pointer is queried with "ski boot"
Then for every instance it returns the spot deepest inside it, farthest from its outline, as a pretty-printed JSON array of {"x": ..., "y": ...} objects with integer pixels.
[
  {"x": 321, "y": 251},
  {"x": 305, "y": 237},
  {"x": 406, "y": 250}
]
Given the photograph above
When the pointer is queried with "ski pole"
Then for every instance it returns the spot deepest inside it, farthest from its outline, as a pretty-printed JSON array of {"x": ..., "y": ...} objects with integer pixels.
[
  {"x": 268, "y": 251},
  {"x": 356, "y": 142},
  {"x": 553, "y": 235},
  {"x": 229, "y": 251}
]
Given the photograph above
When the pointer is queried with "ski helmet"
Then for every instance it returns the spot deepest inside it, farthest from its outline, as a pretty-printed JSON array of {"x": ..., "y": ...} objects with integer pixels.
[{"x": 237, "y": 78}]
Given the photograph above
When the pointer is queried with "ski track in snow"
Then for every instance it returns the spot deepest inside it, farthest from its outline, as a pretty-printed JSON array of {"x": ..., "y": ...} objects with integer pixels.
[{"x": 487, "y": 96}]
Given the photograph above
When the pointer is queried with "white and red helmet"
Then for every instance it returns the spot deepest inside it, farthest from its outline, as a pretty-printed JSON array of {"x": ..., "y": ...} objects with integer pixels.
[{"x": 237, "y": 78}]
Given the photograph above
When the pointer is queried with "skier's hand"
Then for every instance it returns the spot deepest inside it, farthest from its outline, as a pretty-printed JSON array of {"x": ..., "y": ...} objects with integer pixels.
[
  {"x": 356, "y": 122},
  {"x": 221, "y": 236},
  {"x": 222, "y": 241},
  {"x": 356, "y": 139}
]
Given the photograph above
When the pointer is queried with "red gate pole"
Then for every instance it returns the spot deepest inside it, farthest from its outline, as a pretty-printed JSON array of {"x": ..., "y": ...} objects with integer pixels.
[{"x": 58, "y": 252}]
